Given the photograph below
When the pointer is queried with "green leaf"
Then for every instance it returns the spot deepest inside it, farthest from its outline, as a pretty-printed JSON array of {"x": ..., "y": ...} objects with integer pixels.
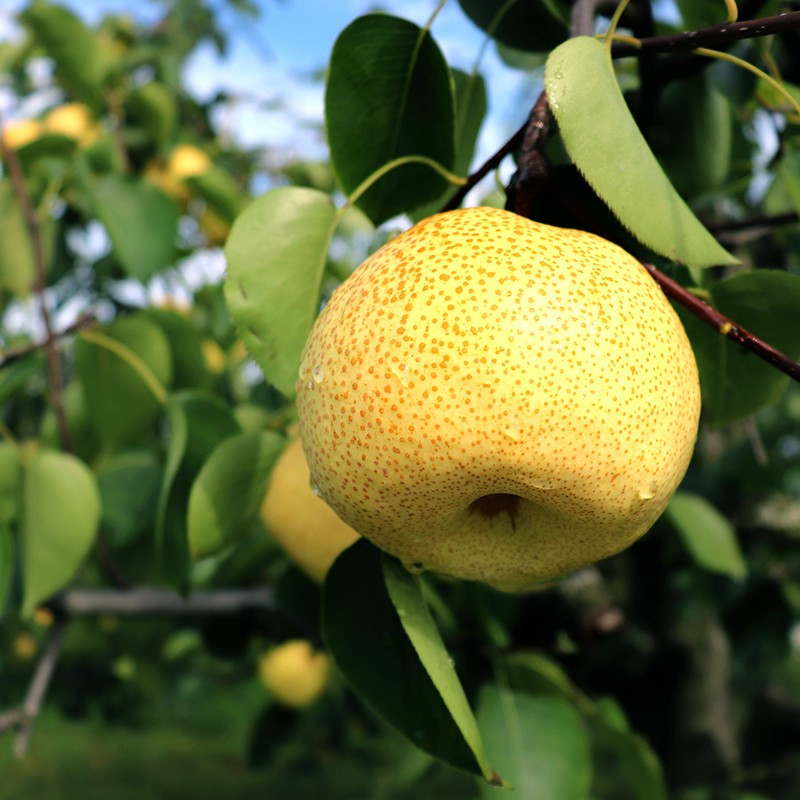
[
  {"x": 540, "y": 744},
  {"x": 60, "y": 513},
  {"x": 363, "y": 632},
  {"x": 16, "y": 254},
  {"x": 72, "y": 46},
  {"x": 623, "y": 758},
  {"x": 415, "y": 617},
  {"x": 141, "y": 221},
  {"x": 189, "y": 369},
  {"x": 118, "y": 397},
  {"x": 17, "y": 374},
  {"x": 388, "y": 95},
  {"x": 735, "y": 382},
  {"x": 706, "y": 534},
  {"x": 471, "y": 106},
  {"x": 128, "y": 484},
  {"x": 218, "y": 188},
  {"x": 227, "y": 493},
  {"x": 198, "y": 423},
  {"x": 152, "y": 106},
  {"x": 605, "y": 144},
  {"x": 6, "y": 564},
  {"x": 693, "y": 135},
  {"x": 276, "y": 255},
  {"x": 530, "y": 25},
  {"x": 789, "y": 173},
  {"x": 9, "y": 482}
]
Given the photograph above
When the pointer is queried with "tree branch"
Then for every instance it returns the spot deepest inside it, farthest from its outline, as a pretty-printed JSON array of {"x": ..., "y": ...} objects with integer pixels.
[
  {"x": 18, "y": 353},
  {"x": 40, "y": 282},
  {"x": 490, "y": 164},
  {"x": 22, "y": 720},
  {"x": 157, "y": 602},
  {"x": 723, "y": 35},
  {"x": 722, "y": 325}
]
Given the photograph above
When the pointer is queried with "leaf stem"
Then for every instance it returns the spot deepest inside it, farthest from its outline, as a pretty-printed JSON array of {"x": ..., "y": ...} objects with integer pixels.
[
  {"x": 130, "y": 358},
  {"x": 372, "y": 179},
  {"x": 619, "y": 11},
  {"x": 739, "y": 62}
]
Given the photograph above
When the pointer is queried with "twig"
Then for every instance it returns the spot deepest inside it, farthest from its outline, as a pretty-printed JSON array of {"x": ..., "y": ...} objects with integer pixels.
[
  {"x": 38, "y": 689},
  {"x": 722, "y": 325},
  {"x": 18, "y": 353},
  {"x": 35, "y": 234},
  {"x": 753, "y": 223},
  {"x": 149, "y": 601},
  {"x": 716, "y": 36},
  {"x": 490, "y": 164},
  {"x": 533, "y": 167},
  {"x": 582, "y": 18}
]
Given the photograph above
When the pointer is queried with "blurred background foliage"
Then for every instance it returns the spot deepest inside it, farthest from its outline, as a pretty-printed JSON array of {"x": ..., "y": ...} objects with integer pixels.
[{"x": 672, "y": 669}]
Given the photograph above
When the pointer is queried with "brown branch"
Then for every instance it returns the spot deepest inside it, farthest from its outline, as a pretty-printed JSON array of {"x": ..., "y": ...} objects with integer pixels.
[
  {"x": 485, "y": 168},
  {"x": 764, "y": 222},
  {"x": 18, "y": 353},
  {"x": 723, "y": 35},
  {"x": 722, "y": 325},
  {"x": 35, "y": 234},
  {"x": 22, "y": 719},
  {"x": 159, "y": 602},
  {"x": 533, "y": 168}
]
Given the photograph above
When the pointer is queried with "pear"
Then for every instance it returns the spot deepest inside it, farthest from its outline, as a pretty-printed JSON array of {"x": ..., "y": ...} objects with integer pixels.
[
  {"x": 74, "y": 120},
  {"x": 20, "y": 132},
  {"x": 498, "y": 400},
  {"x": 294, "y": 673},
  {"x": 302, "y": 523}
]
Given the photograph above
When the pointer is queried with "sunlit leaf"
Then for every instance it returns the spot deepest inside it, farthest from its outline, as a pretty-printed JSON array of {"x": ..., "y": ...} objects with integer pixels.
[
  {"x": 539, "y": 744},
  {"x": 142, "y": 223},
  {"x": 197, "y": 424},
  {"x": 707, "y": 535},
  {"x": 227, "y": 493},
  {"x": 276, "y": 255},
  {"x": 605, "y": 144},
  {"x": 72, "y": 46},
  {"x": 115, "y": 379},
  {"x": 60, "y": 513}
]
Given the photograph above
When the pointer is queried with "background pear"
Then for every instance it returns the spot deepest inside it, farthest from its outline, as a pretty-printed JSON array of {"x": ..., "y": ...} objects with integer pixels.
[
  {"x": 302, "y": 523},
  {"x": 295, "y": 673},
  {"x": 498, "y": 400}
]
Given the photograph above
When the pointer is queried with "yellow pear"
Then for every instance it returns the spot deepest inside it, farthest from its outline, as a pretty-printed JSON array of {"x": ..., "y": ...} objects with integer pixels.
[
  {"x": 498, "y": 400},
  {"x": 185, "y": 161},
  {"x": 20, "y": 132},
  {"x": 295, "y": 674},
  {"x": 74, "y": 120},
  {"x": 300, "y": 522}
]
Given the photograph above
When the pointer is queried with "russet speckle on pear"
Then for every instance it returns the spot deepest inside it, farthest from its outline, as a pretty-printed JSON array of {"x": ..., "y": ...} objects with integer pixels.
[{"x": 498, "y": 400}]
